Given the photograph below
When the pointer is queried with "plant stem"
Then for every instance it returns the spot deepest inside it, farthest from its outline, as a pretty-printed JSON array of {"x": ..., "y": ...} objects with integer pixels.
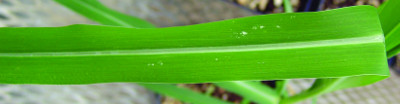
[
  {"x": 245, "y": 101},
  {"x": 314, "y": 100},
  {"x": 319, "y": 87},
  {"x": 183, "y": 94},
  {"x": 254, "y": 91},
  {"x": 288, "y": 6},
  {"x": 281, "y": 86},
  {"x": 210, "y": 90}
]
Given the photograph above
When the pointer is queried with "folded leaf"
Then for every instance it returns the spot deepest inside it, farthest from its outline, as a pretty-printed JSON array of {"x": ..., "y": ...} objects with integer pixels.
[
  {"x": 250, "y": 48},
  {"x": 393, "y": 42},
  {"x": 389, "y": 15}
]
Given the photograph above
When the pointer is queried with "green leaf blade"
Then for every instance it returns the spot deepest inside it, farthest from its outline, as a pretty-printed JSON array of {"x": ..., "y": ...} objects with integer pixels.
[
  {"x": 389, "y": 15},
  {"x": 390, "y": 19},
  {"x": 254, "y": 91},
  {"x": 183, "y": 94},
  {"x": 83, "y": 54}
]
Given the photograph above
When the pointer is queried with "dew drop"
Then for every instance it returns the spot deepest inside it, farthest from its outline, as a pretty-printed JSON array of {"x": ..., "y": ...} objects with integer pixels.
[
  {"x": 150, "y": 64},
  {"x": 277, "y": 26},
  {"x": 243, "y": 33},
  {"x": 216, "y": 59},
  {"x": 261, "y": 27}
]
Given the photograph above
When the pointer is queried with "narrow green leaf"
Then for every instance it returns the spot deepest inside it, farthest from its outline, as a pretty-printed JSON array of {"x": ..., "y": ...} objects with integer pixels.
[
  {"x": 98, "y": 12},
  {"x": 319, "y": 87},
  {"x": 287, "y": 6},
  {"x": 281, "y": 86},
  {"x": 183, "y": 94},
  {"x": 393, "y": 52},
  {"x": 231, "y": 50},
  {"x": 254, "y": 91},
  {"x": 389, "y": 15},
  {"x": 314, "y": 100},
  {"x": 245, "y": 101},
  {"x": 210, "y": 90},
  {"x": 392, "y": 41}
]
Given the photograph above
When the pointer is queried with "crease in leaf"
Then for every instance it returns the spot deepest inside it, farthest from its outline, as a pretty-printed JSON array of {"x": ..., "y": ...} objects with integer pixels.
[{"x": 243, "y": 48}]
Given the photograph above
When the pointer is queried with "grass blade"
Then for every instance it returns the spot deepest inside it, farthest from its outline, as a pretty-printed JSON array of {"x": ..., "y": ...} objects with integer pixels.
[
  {"x": 281, "y": 86},
  {"x": 288, "y": 6},
  {"x": 392, "y": 39},
  {"x": 83, "y": 54},
  {"x": 393, "y": 42},
  {"x": 98, "y": 12},
  {"x": 322, "y": 86},
  {"x": 183, "y": 94},
  {"x": 254, "y": 91},
  {"x": 319, "y": 87},
  {"x": 389, "y": 15},
  {"x": 390, "y": 19}
]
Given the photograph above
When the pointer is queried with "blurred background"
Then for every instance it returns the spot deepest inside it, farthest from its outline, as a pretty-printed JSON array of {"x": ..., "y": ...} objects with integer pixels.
[{"x": 165, "y": 13}]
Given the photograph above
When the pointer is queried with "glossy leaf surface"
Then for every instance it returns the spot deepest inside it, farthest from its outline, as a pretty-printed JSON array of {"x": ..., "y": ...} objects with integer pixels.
[{"x": 230, "y": 50}]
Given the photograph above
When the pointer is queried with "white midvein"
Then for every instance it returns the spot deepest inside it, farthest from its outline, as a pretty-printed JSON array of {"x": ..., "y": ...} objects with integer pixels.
[{"x": 219, "y": 49}]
